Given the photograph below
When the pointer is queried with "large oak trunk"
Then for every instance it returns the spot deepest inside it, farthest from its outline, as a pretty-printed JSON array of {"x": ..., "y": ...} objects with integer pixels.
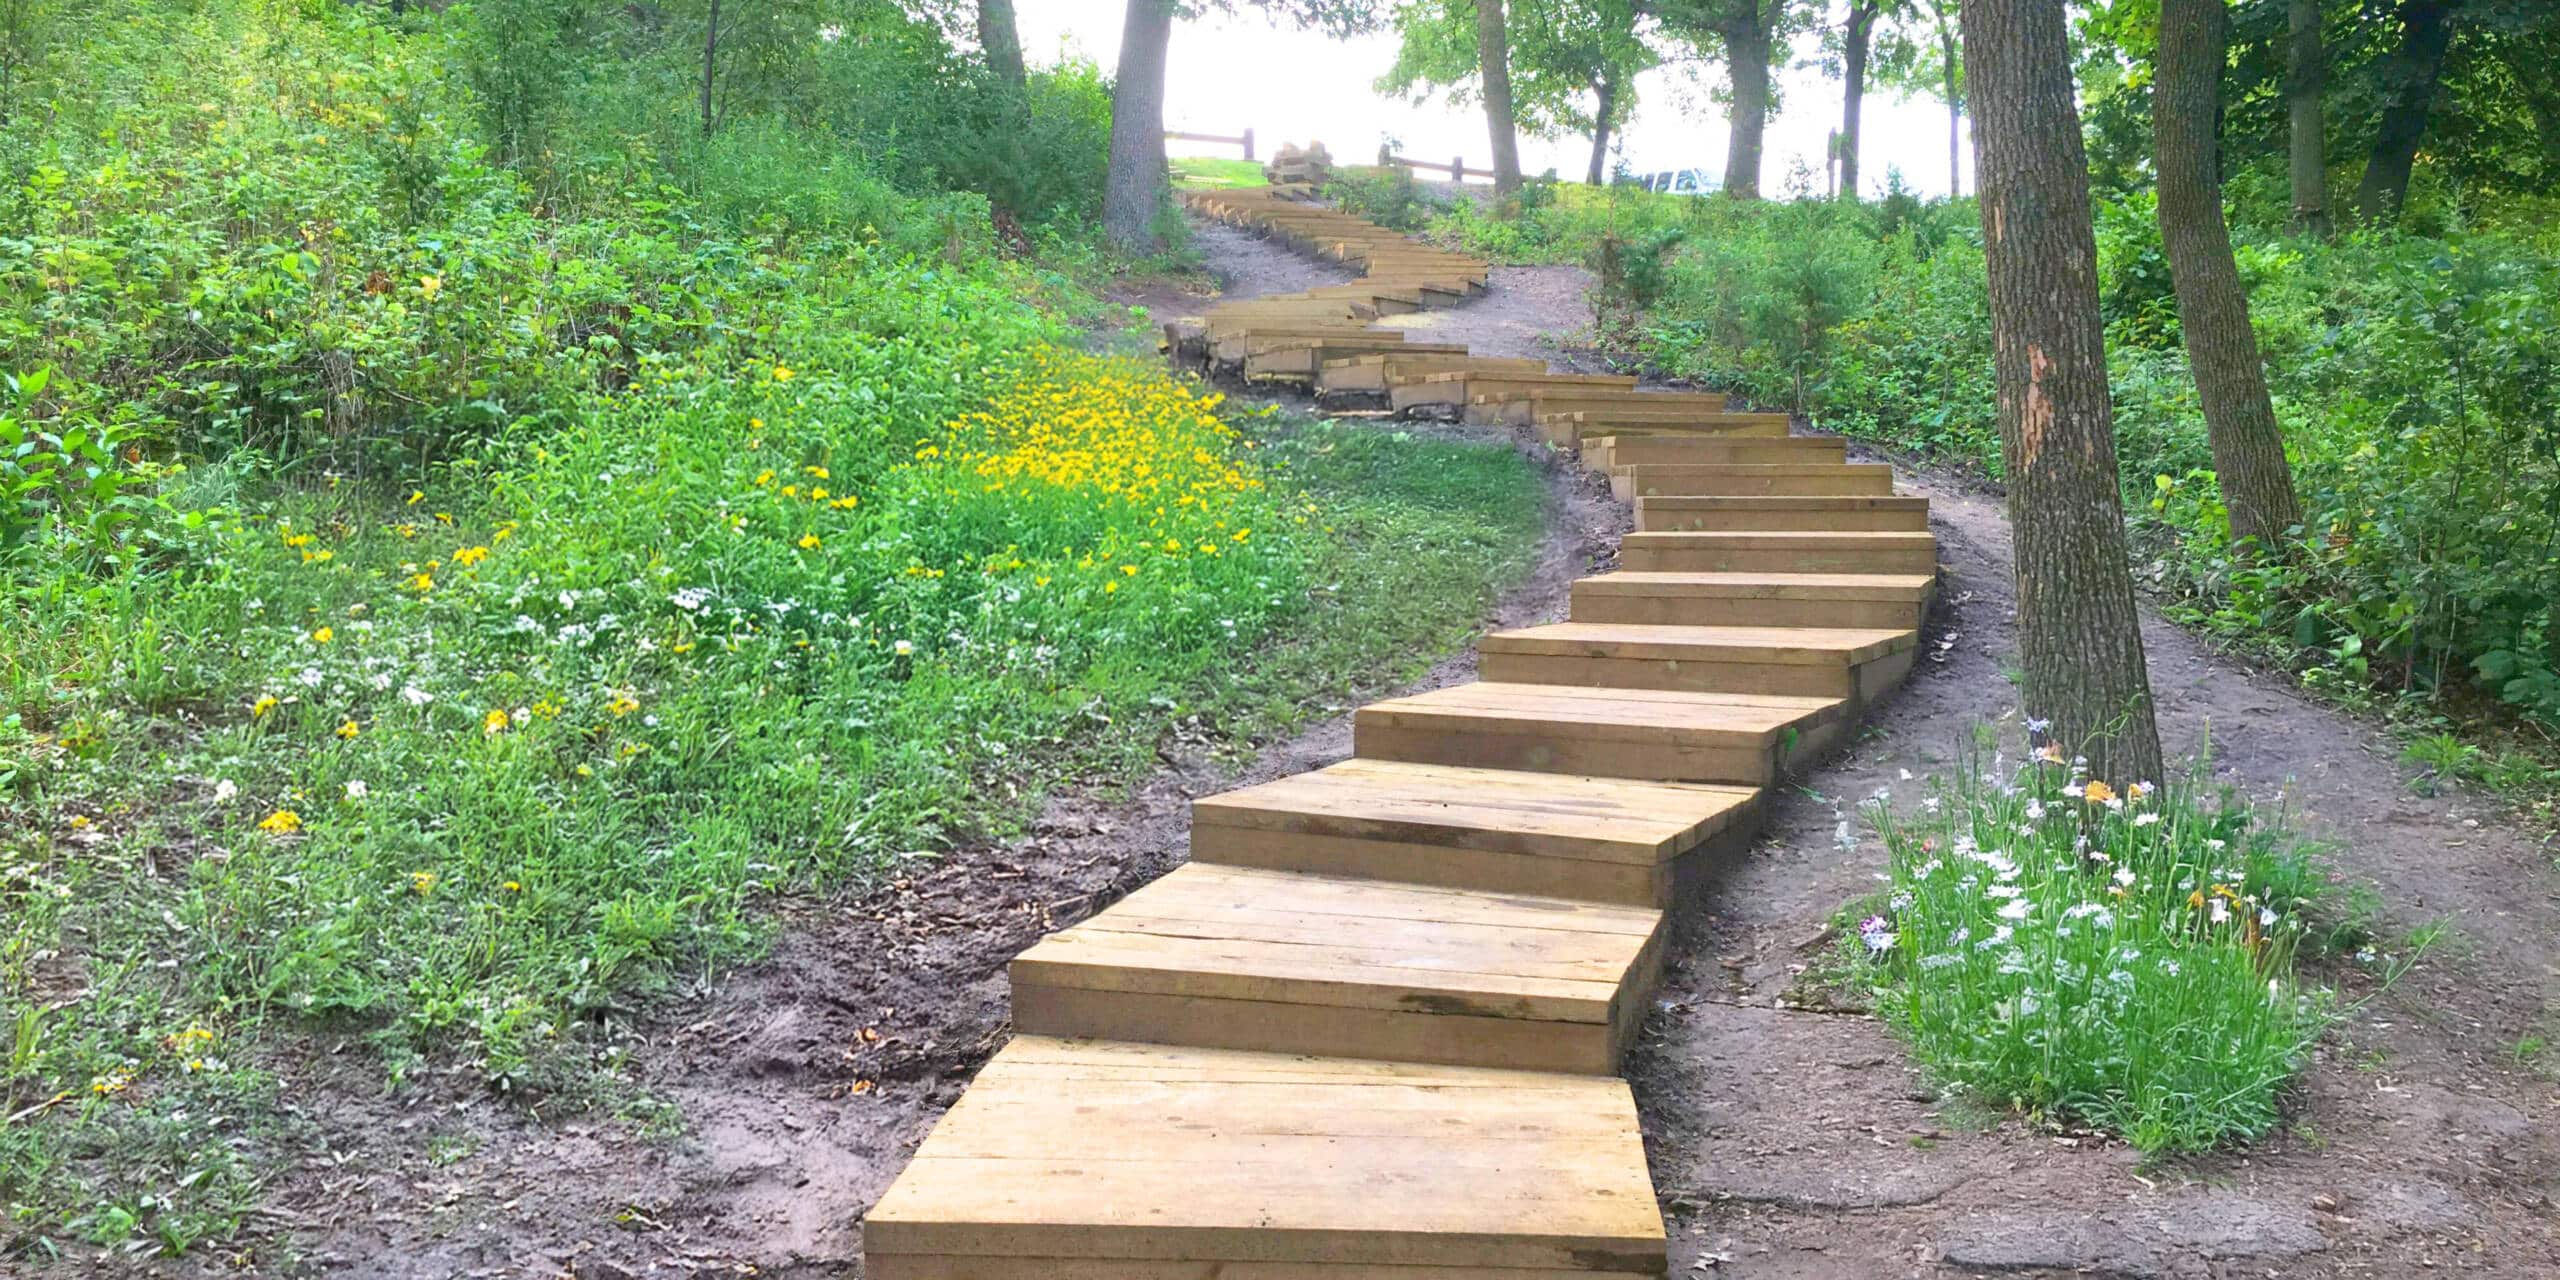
[
  {"x": 1133, "y": 190},
  {"x": 2306, "y": 78},
  {"x": 2078, "y": 634},
  {"x": 2409, "y": 79},
  {"x": 2213, "y": 312},
  {"x": 1493, "y": 57}
]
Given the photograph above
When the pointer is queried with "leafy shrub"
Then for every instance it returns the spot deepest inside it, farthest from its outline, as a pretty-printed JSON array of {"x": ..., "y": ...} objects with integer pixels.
[
  {"x": 2117, "y": 955},
  {"x": 1387, "y": 196}
]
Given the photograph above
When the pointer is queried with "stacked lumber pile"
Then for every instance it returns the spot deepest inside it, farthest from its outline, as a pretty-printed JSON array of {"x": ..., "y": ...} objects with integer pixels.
[{"x": 1293, "y": 165}]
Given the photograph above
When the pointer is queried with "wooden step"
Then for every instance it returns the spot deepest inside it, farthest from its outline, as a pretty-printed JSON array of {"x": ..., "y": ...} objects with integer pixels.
[
  {"x": 1856, "y": 664},
  {"x": 1727, "y": 552},
  {"x": 1666, "y": 515},
  {"x": 1745, "y": 739},
  {"x": 1103, "y": 1161},
  {"x": 1247, "y": 958},
  {"x": 1575, "y": 429},
  {"x": 1598, "y": 839},
  {"x": 1605, "y": 399},
  {"x": 1602, "y": 453},
  {"x": 1754, "y": 599},
  {"x": 1748, "y": 480},
  {"x": 1688, "y": 451},
  {"x": 1459, "y": 390},
  {"x": 1372, "y": 373}
]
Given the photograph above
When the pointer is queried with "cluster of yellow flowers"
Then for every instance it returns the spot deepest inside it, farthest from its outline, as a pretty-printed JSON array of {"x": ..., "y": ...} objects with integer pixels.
[
  {"x": 1112, "y": 427},
  {"x": 1119, "y": 459}
]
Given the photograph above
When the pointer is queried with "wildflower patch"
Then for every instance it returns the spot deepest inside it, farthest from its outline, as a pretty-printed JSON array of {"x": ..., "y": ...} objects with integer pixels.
[{"x": 2118, "y": 955}]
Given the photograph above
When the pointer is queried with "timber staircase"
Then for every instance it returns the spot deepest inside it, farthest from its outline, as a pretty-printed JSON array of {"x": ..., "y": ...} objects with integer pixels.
[{"x": 1370, "y": 1029}]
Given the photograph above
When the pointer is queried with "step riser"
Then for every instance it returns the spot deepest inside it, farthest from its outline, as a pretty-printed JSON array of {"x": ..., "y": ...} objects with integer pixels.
[
  {"x": 1842, "y": 482},
  {"x": 1566, "y": 434},
  {"x": 1781, "y": 520},
  {"x": 1622, "y": 884},
  {"x": 1470, "y": 742},
  {"x": 956, "y": 1267},
  {"x": 1606, "y": 452},
  {"x": 1637, "y": 559},
  {"x": 1794, "y": 679},
  {"x": 1446, "y": 1031},
  {"x": 1739, "y": 611}
]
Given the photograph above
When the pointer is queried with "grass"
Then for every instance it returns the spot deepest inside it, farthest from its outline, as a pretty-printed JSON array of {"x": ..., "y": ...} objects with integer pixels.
[
  {"x": 2118, "y": 955},
  {"x": 1216, "y": 172},
  {"x": 464, "y": 773}
]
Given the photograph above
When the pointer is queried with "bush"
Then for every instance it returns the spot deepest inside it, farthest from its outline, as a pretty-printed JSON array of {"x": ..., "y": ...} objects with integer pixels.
[{"x": 2116, "y": 955}]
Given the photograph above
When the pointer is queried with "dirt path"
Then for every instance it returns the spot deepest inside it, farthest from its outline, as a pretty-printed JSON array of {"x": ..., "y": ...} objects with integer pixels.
[{"x": 1797, "y": 1143}]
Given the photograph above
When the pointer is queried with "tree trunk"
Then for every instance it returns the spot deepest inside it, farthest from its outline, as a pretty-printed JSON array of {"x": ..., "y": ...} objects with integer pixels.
[
  {"x": 1133, "y": 187},
  {"x": 1001, "y": 40},
  {"x": 710, "y": 64},
  {"x": 1493, "y": 55},
  {"x": 1955, "y": 114},
  {"x": 2213, "y": 311},
  {"x": 2409, "y": 79},
  {"x": 1606, "y": 89},
  {"x": 2306, "y": 77},
  {"x": 2078, "y": 635},
  {"x": 1746, "y": 43},
  {"x": 1853, "y": 68}
]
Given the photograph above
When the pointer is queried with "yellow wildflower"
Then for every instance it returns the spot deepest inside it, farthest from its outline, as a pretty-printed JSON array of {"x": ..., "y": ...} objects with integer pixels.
[
  {"x": 808, "y": 542},
  {"x": 281, "y": 822},
  {"x": 349, "y": 729},
  {"x": 262, "y": 706},
  {"x": 494, "y": 723},
  {"x": 2097, "y": 792},
  {"x": 422, "y": 883},
  {"x": 324, "y": 635}
]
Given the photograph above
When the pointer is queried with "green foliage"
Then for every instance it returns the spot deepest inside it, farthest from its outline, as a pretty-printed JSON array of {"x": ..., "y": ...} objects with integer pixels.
[
  {"x": 2417, "y": 378},
  {"x": 1387, "y": 196},
  {"x": 2117, "y": 956},
  {"x": 440, "y": 602}
]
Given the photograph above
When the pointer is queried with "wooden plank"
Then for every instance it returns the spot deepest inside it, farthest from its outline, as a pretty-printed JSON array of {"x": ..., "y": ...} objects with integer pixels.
[
  {"x": 1237, "y": 1158},
  {"x": 1796, "y": 551},
  {"x": 1596, "y": 819}
]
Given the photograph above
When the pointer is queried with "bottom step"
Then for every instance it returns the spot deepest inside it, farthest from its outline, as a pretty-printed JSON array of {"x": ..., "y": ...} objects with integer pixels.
[{"x": 1099, "y": 1160}]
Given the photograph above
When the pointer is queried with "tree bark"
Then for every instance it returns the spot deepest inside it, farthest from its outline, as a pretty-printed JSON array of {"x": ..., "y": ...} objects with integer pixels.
[
  {"x": 1854, "y": 38},
  {"x": 1746, "y": 42},
  {"x": 2213, "y": 310},
  {"x": 1133, "y": 186},
  {"x": 1001, "y": 40},
  {"x": 2409, "y": 78},
  {"x": 710, "y": 64},
  {"x": 2306, "y": 77},
  {"x": 1955, "y": 113},
  {"x": 2078, "y": 634},
  {"x": 1493, "y": 57},
  {"x": 1605, "y": 88}
]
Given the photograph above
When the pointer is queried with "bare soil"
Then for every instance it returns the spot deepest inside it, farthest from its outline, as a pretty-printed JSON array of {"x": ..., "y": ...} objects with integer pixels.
[{"x": 1786, "y": 1142}]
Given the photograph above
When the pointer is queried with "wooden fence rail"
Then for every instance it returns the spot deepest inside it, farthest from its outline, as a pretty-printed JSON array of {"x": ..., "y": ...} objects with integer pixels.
[
  {"x": 1457, "y": 166},
  {"x": 1245, "y": 140}
]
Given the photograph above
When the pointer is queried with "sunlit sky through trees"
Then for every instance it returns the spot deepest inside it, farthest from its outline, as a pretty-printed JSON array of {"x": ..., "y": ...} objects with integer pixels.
[{"x": 1230, "y": 71}]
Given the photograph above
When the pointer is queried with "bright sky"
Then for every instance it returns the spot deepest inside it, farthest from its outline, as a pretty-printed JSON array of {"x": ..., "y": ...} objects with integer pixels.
[{"x": 1230, "y": 71}]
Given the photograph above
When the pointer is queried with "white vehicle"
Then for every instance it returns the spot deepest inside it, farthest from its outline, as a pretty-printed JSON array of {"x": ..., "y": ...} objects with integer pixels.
[{"x": 1678, "y": 182}]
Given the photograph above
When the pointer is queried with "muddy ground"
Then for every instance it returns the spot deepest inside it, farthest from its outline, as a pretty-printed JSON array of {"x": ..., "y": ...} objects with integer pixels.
[{"x": 1785, "y": 1142}]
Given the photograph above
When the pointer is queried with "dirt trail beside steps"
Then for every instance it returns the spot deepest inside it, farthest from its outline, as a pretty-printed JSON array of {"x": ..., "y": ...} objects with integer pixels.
[{"x": 1786, "y": 1143}]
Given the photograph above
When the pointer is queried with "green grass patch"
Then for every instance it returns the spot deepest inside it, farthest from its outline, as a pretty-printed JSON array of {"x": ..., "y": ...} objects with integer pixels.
[
  {"x": 2112, "y": 955},
  {"x": 470, "y": 821},
  {"x": 1216, "y": 171}
]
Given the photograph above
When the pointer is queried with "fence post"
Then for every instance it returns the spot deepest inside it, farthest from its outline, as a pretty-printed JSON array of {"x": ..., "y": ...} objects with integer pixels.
[
  {"x": 1457, "y": 169},
  {"x": 1248, "y": 143}
]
